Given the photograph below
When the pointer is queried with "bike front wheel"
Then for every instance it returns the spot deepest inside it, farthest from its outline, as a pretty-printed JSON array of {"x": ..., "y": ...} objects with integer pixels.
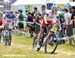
[{"x": 51, "y": 45}]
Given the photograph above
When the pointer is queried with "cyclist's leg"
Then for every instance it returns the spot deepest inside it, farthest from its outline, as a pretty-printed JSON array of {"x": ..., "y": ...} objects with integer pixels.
[
  {"x": 45, "y": 29},
  {"x": 0, "y": 35},
  {"x": 48, "y": 33},
  {"x": 40, "y": 34},
  {"x": 10, "y": 37},
  {"x": 31, "y": 32}
]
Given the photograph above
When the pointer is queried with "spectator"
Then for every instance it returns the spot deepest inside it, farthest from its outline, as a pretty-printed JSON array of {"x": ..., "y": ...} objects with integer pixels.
[
  {"x": 43, "y": 8},
  {"x": 16, "y": 14},
  {"x": 69, "y": 28},
  {"x": 21, "y": 20},
  {"x": 26, "y": 15},
  {"x": 35, "y": 10},
  {"x": 4, "y": 13},
  {"x": 27, "y": 12},
  {"x": 29, "y": 25},
  {"x": 73, "y": 18}
]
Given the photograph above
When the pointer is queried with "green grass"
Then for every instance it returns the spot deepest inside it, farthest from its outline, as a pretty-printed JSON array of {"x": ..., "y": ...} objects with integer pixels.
[{"x": 22, "y": 48}]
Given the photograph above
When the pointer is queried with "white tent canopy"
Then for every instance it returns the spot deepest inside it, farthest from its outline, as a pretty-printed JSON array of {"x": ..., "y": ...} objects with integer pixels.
[
  {"x": 28, "y": 2},
  {"x": 72, "y": 3},
  {"x": 1, "y": 6},
  {"x": 61, "y": 2}
]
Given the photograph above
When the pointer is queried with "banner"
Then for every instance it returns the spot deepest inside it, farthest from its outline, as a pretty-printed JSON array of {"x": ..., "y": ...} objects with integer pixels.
[
  {"x": 61, "y": 5},
  {"x": 27, "y": 7}
]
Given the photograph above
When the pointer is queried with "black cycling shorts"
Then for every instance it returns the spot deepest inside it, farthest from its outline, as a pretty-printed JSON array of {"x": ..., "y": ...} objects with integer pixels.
[{"x": 21, "y": 25}]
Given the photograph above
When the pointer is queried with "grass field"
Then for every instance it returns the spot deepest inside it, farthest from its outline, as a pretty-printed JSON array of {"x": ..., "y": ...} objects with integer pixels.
[{"x": 22, "y": 48}]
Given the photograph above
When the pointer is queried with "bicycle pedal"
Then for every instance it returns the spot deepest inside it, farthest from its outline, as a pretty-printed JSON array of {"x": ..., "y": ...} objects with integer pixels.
[
  {"x": 38, "y": 49},
  {"x": 51, "y": 43}
]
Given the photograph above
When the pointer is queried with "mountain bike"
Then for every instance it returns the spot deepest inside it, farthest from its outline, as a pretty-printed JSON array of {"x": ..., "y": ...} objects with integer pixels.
[
  {"x": 6, "y": 35},
  {"x": 50, "y": 41}
]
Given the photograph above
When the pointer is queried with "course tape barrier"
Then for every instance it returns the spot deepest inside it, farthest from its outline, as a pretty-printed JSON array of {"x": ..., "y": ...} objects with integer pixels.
[{"x": 27, "y": 33}]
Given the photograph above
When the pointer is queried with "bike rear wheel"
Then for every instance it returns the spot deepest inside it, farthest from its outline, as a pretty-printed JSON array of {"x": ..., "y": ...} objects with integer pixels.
[{"x": 34, "y": 43}]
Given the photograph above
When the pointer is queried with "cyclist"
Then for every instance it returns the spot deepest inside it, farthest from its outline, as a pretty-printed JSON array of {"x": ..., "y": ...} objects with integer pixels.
[
  {"x": 48, "y": 20},
  {"x": 10, "y": 18},
  {"x": 10, "y": 15}
]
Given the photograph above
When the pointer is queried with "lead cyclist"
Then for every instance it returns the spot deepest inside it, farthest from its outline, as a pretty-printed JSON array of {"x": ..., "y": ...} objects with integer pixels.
[{"x": 47, "y": 21}]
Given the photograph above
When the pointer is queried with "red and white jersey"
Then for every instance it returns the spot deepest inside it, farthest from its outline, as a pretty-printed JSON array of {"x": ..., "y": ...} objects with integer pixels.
[
  {"x": 44, "y": 22},
  {"x": 2, "y": 21},
  {"x": 9, "y": 22}
]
